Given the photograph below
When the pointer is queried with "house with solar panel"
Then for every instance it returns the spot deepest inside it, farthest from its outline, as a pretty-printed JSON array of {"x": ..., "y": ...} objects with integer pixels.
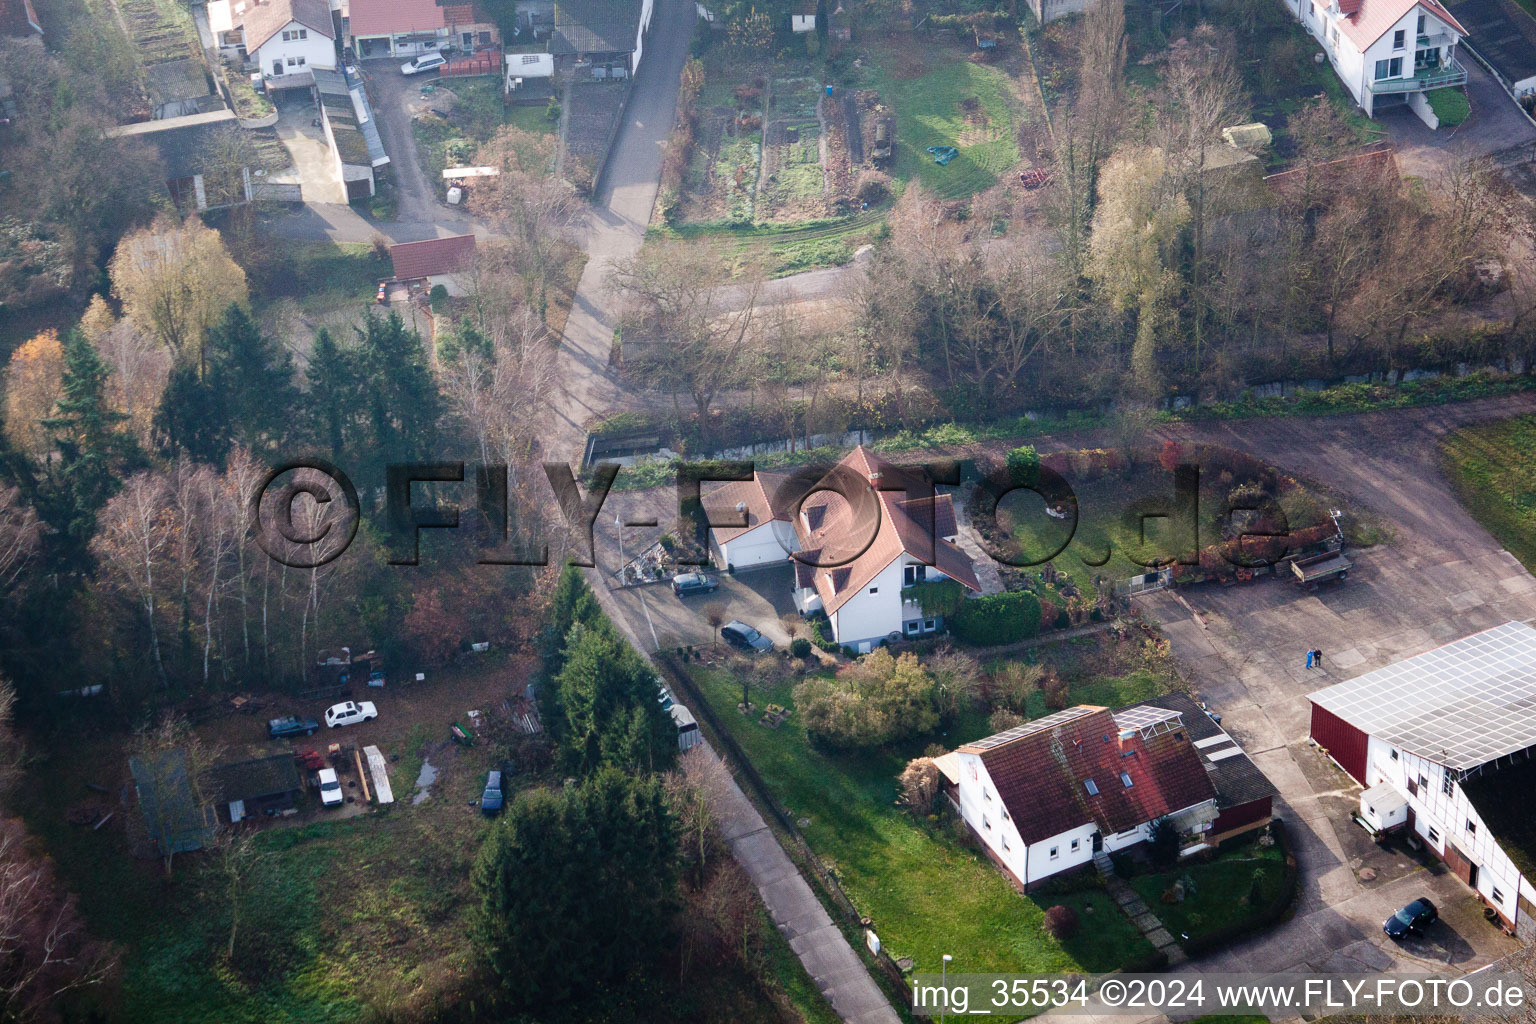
[
  {"x": 1387, "y": 52},
  {"x": 864, "y": 540},
  {"x": 1443, "y": 744},
  {"x": 1065, "y": 791}
]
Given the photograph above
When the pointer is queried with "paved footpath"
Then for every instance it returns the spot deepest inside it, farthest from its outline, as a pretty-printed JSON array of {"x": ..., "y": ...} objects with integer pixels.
[{"x": 838, "y": 971}]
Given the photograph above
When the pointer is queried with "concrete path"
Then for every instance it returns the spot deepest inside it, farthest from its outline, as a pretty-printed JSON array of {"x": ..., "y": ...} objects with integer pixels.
[
  {"x": 615, "y": 230},
  {"x": 839, "y": 973},
  {"x": 1146, "y": 922}
]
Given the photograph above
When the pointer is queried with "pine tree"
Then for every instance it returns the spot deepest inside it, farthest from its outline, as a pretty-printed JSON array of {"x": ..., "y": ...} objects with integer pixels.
[
  {"x": 577, "y": 888},
  {"x": 333, "y": 392},
  {"x": 95, "y": 453},
  {"x": 404, "y": 403},
  {"x": 255, "y": 374},
  {"x": 607, "y": 694},
  {"x": 194, "y": 415}
]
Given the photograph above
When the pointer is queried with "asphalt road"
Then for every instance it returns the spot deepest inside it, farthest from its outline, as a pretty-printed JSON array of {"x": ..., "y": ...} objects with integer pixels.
[{"x": 614, "y": 231}]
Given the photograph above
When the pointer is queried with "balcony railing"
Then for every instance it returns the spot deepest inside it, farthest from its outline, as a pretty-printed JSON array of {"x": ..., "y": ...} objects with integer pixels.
[{"x": 1449, "y": 74}]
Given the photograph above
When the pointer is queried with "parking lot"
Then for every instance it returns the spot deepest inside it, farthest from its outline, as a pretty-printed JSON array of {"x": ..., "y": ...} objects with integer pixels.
[
  {"x": 1243, "y": 649},
  {"x": 759, "y": 598}
]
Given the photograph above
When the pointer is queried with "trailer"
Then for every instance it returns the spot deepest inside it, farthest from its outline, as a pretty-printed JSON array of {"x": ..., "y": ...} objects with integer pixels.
[{"x": 1320, "y": 568}]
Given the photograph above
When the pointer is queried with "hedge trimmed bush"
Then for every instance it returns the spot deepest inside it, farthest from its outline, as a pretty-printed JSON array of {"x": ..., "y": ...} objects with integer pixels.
[{"x": 997, "y": 619}]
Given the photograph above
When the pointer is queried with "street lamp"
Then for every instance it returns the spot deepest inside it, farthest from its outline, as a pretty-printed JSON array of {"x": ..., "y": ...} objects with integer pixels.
[{"x": 943, "y": 978}]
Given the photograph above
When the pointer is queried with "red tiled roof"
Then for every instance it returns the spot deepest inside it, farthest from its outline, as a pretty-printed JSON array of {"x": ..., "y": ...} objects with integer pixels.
[
  {"x": 432, "y": 257},
  {"x": 1041, "y": 774},
  {"x": 760, "y": 495},
  {"x": 838, "y": 531},
  {"x": 260, "y": 20},
  {"x": 1366, "y": 21}
]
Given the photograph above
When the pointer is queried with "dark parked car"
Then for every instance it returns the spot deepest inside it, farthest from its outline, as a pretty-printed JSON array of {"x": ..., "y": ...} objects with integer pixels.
[
  {"x": 291, "y": 725},
  {"x": 490, "y": 800},
  {"x": 1415, "y": 917},
  {"x": 693, "y": 583},
  {"x": 743, "y": 636}
]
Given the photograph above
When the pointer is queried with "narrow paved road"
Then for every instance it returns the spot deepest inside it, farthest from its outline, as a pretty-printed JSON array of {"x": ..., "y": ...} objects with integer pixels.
[
  {"x": 832, "y": 963},
  {"x": 615, "y": 230}
]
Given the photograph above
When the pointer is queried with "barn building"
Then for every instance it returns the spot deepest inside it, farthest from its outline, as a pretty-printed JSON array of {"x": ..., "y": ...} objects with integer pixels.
[{"x": 1443, "y": 742}]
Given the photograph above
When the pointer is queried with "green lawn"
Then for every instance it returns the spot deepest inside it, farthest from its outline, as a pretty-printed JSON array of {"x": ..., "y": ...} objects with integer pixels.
[
  {"x": 320, "y": 275},
  {"x": 1450, "y": 105},
  {"x": 955, "y": 103},
  {"x": 1493, "y": 469},
  {"x": 925, "y": 892},
  {"x": 1222, "y": 889}
]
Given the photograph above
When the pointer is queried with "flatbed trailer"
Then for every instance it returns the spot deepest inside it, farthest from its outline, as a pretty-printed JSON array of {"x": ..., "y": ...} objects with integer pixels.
[{"x": 1315, "y": 569}]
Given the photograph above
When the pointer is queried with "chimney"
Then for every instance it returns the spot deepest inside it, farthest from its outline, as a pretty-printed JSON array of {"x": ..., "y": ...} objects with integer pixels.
[{"x": 741, "y": 506}]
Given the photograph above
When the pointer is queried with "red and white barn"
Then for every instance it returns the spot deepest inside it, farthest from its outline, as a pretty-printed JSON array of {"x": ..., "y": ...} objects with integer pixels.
[{"x": 1448, "y": 737}]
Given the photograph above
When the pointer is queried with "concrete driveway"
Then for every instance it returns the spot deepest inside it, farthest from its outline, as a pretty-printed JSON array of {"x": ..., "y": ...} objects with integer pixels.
[
  {"x": 1243, "y": 650},
  {"x": 758, "y": 597},
  {"x": 314, "y": 168},
  {"x": 1496, "y": 123}
]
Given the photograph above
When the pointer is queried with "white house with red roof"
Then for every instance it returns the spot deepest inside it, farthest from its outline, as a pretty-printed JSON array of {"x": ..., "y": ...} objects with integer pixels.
[
  {"x": 1051, "y": 795},
  {"x": 286, "y": 39},
  {"x": 1387, "y": 51},
  {"x": 862, "y": 539}
]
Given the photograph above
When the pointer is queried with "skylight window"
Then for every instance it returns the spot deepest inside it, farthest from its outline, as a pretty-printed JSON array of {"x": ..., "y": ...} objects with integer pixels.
[
  {"x": 1125, "y": 777},
  {"x": 1092, "y": 787}
]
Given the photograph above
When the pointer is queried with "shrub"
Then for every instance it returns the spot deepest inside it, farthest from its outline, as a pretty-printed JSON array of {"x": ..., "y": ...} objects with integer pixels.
[
  {"x": 874, "y": 188},
  {"x": 919, "y": 782},
  {"x": 1002, "y": 720},
  {"x": 1023, "y": 465},
  {"x": 800, "y": 647},
  {"x": 1013, "y": 683},
  {"x": 1061, "y": 921},
  {"x": 997, "y": 619},
  {"x": 874, "y": 701},
  {"x": 1163, "y": 843}
]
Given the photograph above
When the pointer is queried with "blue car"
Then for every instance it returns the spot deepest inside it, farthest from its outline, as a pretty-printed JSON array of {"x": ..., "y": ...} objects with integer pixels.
[{"x": 490, "y": 800}]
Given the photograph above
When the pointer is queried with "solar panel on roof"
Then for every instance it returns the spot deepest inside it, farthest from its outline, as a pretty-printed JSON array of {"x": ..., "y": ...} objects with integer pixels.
[
  {"x": 1142, "y": 716},
  {"x": 1030, "y": 728},
  {"x": 1462, "y": 705}
]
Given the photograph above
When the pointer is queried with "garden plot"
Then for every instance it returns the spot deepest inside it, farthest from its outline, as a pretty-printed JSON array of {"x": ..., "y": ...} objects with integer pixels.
[
  {"x": 721, "y": 183},
  {"x": 790, "y": 187}
]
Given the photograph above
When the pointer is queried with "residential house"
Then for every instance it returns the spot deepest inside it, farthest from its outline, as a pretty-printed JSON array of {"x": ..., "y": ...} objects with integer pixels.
[
  {"x": 1450, "y": 734},
  {"x": 18, "y": 19},
  {"x": 444, "y": 261},
  {"x": 862, "y": 540},
  {"x": 264, "y": 782},
  {"x": 802, "y": 16},
  {"x": 1387, "y": 51},
  {"x": 284, "y": 39},
  {"x": 1054, "y": 794},
  {"x": 607, "y": 36},
  {"x": 406, "y": 28}
]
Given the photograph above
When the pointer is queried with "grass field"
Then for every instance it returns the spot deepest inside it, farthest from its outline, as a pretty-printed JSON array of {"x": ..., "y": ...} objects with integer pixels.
[
  {"x": 926, "y": 893},
  {"x": 1493, "y": 469},
  {"x": 953, "y": 102},
  {"x": 1223, "y": 889}
]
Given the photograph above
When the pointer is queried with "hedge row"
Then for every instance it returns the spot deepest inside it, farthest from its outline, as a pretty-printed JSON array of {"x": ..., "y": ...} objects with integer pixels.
[{"x": 997, "y": 619}]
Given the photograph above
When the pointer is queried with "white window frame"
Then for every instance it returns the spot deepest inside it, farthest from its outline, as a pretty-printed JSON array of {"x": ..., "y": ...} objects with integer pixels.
[
  {"x": 1055, "y": 853},
  {"x": 1076, "y": 845},
  {"x": 1399, "y": 39}
]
